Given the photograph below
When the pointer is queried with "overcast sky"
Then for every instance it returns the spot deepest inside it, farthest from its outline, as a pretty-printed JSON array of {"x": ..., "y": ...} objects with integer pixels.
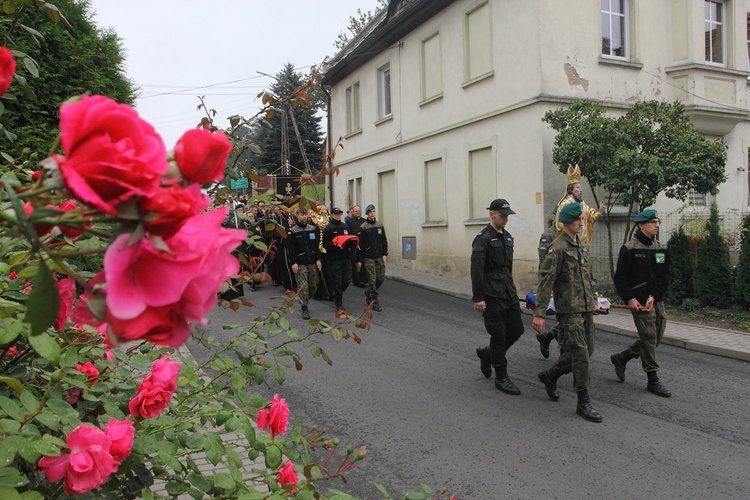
[{"x": 179, "y": 49}]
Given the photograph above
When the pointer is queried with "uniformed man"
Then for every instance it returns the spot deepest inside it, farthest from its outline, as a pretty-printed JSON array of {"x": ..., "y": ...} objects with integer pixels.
[
  {"x": 374, "y": 246},
  {"x": 494, "y": 294},
  {"x": 339, "y": 256},
  {"x": 545, "y": 242},
  {"x": 566, "y": 273},
  {"x": 304, "y": 257},
  {"x": 641, "y": 279}
]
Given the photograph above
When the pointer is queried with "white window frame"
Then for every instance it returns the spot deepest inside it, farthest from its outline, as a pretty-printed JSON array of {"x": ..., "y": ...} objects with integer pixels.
[
  {"x": 432, "y": 218},
  {"x": 427, "y": 94},
  {"x": 722, "y": 24},
  {"x": 698, "y": 200},
  {"x": 384, "y": 91},
  {"x": 472, "y": 74},
  {"x": 610, "y": 16},
  {"x": 353, "y": 109}
]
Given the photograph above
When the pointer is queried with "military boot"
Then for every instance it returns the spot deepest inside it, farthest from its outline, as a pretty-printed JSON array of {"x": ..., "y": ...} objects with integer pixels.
[
  {"x": 549, "y": 379},
  {"x": 657, "y": 387},
  {"x": 620, "y": 360},
  {"x": 305, "y": 313},
  {"x": 544, "y": 339},
  {"x": 503, "y": 383},
  {"x": 484, "y": 361},
  {"x": 585, "y": 409}
]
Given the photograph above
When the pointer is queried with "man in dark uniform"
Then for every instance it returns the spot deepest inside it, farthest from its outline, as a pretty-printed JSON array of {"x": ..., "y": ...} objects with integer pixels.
[
  {"x": 641, "y": 279},
  {"x": 339, "y": 257},
  {"x": 304, "y": 256},
  {"x": 494, "y": 294},
  {"x": 374, "y": 247},
  {"x": 566, "y": 272},
  {"x": 355, "y": 220}
]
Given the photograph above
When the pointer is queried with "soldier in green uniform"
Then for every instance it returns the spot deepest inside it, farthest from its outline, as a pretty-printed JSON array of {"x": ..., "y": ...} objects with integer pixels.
[
  {"x": 374, "y": 245},
  {"x": 566, "y": 273},
  {"x": 494, "y": 294},
  {"x": 304, "y": 256},
  {"x": 641, "y": 279},
  {"x": 545, "y": 242}
]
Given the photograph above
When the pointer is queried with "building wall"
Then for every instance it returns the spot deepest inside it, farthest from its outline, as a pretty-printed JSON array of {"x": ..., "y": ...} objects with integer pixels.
[{"x": 544, "y": 55}]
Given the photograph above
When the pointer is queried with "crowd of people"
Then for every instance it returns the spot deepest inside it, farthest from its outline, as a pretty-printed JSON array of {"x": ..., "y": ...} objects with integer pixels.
[{"x": 311, "y": 251}]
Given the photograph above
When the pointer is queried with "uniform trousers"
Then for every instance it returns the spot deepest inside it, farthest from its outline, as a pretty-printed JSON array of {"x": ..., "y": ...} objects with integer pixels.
[
  {"x": 503, "y": 323},
  {"x": 578, "y": 345},
  {"x": 341, "y": 276},
  {"x": 375, "y": 269},
  {"x": 307, "y": 282},
  {"x": 650, "y": 325}
]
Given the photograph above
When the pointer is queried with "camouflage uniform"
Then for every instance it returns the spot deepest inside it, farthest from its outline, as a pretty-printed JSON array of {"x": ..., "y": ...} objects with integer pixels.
[
  {"x": 303, "y": 249},
  {"x": 565, "y": 271},
  {"x": 374, "y": 246},
  {"x": 545, "y": 338}
]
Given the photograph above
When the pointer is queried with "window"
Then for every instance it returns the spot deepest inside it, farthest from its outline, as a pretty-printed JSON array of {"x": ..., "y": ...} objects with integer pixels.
[
  {"x": 481, "y": 182},
  {"x": 747, "y": 55},
  {"x": 384, "y": 91},
  {"x": 352, "y": 109},
  {"x": 614, "y": 28},
  {"x": 478, "y": 42},
  {"x": 434, "y": 187},
  {"x": 432, "y": 67},
  {"x": 354, "y": 191},
  {"x": 696, "y": 199},
  {"x": 714, "y": 31}
]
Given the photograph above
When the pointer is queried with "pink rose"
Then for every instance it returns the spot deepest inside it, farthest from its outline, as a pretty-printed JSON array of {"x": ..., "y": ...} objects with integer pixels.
[
  {"x": 153, "y": 292},
  {"x": 90, "y": 370},
  {"x": 164, "y": 371},
  {"x": 70, "y": 232},
  {"x": 121, "y": 434},
  {"x": 288, "y": 476},
  {"x": 111, "y": 153},
  {"x": 150, "y": 400},
  {"x": 276, "y": 418},
  {"x": 7, "y": 69},
  {"x": 87, "y": 466},
  {"x": 165, "y": 212},
  {"x": 202, "y": 156},
  {"x": 66, "y": 289}
]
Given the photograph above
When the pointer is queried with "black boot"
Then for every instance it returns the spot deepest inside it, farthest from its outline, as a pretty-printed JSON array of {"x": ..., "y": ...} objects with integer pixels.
[
  {"x": 657, "y": 387},
  {"x": 585, "y": 409},
  {"x": 503, "y": 383},
  {"x": 305, "y": 313},
  {"x": 544, "y": 339},
  {"x": 484, "y": 361},
  {"x": 549, "y": 379},
  {"x": 620, "y": 360}
]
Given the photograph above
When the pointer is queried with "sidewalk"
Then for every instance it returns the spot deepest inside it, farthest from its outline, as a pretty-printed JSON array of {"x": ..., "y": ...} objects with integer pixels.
[{"x": 727, "y": 343}]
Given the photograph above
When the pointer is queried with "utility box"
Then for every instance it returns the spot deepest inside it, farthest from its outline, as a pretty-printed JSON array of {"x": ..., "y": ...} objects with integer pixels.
[{"x": 409, "y": 247}]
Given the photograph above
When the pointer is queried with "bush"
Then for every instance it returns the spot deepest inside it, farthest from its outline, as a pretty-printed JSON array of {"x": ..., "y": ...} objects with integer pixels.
[
  {"x": 681, "y": 272},
  {"x": 742, "y": 283},
  {"x": 713, "y": 277}
]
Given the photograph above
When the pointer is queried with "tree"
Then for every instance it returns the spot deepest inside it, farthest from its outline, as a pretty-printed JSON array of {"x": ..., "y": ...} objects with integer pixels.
[
  {"x": 681, "y": 270},
  {"x": 357, "y": 24},
  {"x": 289, "y": 83},
  {"x": 652, "y": 149},
  {"x": 743, "y": 267},
  {"x": 713, "y": 276},
  {"x": 72, "y": 60}
]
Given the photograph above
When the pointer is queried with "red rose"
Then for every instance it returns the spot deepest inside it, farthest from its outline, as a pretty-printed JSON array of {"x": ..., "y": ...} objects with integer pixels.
[
  {"x": 202, "y": 156},
  {"x": 166, "y": 211},
  {"x": 111, "y": 153},
  {"x": 276, "y": 418},
  {"x": 66, "y": 288},
  {"x": 121, "y": 434},
  {"x": 160, "y": 325},
  {"x": 164, "y": 371},
  {"x": 288, "y": 476},
  {"x": 151, "y": 400},
  {"x": 90, "y": 371},
  {"x": 7, "y": 69}
]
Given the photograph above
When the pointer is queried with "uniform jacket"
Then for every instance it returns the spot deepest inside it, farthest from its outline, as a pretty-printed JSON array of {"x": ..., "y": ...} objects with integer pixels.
[
  {"x": 492, "y": 266},
  {"x": 302, "y": 244},
  {"x": 642, "y": 269},
  {"x": 545, "y": 241},
  {"x": 333, "y": 251},
  {"x": 565, "y": 272},
  {"x": 372, "y": 239}
]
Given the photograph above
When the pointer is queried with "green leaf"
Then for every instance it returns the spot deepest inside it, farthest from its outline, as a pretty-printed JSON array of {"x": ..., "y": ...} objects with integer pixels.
[
  {"x": 46, "y": 347},
  {"x": 238, "y": 381},
  {"x": 44, "y": 302},
  {"x": 10, "y": 329},
  {"x": 49, "y": 420},
  {"x": 31, "y": 66},
  {"x": 7, "y": 451},
  {"x": 279, "y": 375},
  {"x": 9, "y": 494},
  {"x": 170, "y": 461},
  {"x": 14, "y": 384},
  {"x": 12, "y": 409},
  {"x": 273, "y": 457},
  {"x": 256, "y": 400},
  {"x": 7, "y": 157},
  {"x": 224, "y": 481},
  {"x": 232, "y": 424},
  {"x": 194, "y": 440},
  {"x": 29, "y": 401}
]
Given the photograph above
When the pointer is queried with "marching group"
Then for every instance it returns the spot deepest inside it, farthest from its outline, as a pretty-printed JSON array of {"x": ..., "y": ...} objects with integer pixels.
[
  {"x": 641, "y": 279},
  {"x": 315, "y": 253}
]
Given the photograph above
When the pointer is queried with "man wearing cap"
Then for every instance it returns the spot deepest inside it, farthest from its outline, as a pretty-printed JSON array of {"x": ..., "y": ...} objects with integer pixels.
[
  {"x": 545, "y": 242},
  {"x": 641, "y": 279},
  {"x": 355, "y": 221},
  {"x": 304, "y": 256},
  {"x": 494, "y": 294},
  {"x": 339, "y": 257},
  {"x": 374, "y": 247},
  {"x": 565, "y": 272}
]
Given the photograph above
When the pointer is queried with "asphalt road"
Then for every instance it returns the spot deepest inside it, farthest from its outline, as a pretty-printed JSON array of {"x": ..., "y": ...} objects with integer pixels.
[{"x": 413, "y": 394}]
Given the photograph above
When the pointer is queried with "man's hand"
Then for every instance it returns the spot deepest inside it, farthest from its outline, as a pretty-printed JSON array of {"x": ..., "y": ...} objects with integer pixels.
[
  {"x": 538, "y": 324},
  {"x": 359, "y": 266},
  {"x": 294, "y": 268},
  {"x": 649, "y": 303},
  {"x": 319, "y": 265},
  {"x": 634, "y": 305},
  {"x": 480, "y": 306},
  {"x": 385, "y": 257}
]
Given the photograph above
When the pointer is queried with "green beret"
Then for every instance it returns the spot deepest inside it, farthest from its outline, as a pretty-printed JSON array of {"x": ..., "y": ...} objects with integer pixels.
[
  {"x": 570, "y": 212},
  {"x": 646, "y": 215}
]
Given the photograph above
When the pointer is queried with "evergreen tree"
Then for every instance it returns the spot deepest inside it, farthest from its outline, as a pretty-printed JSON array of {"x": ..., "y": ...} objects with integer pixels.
[
  {"x": 72, "y": 60},
  {"x": 308, "y": 124},
  {"x": 681, "y": 270},
  {"x": 713, "y": 276},
  {"x": 743, "y": 267}
]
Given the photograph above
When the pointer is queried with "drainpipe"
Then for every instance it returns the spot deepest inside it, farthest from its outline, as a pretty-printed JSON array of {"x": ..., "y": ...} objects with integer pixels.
[{"x": 329, "y": 187}]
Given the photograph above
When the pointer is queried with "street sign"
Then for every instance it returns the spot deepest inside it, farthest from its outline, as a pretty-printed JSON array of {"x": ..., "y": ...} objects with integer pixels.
[{"x": 239, "y": 184}]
